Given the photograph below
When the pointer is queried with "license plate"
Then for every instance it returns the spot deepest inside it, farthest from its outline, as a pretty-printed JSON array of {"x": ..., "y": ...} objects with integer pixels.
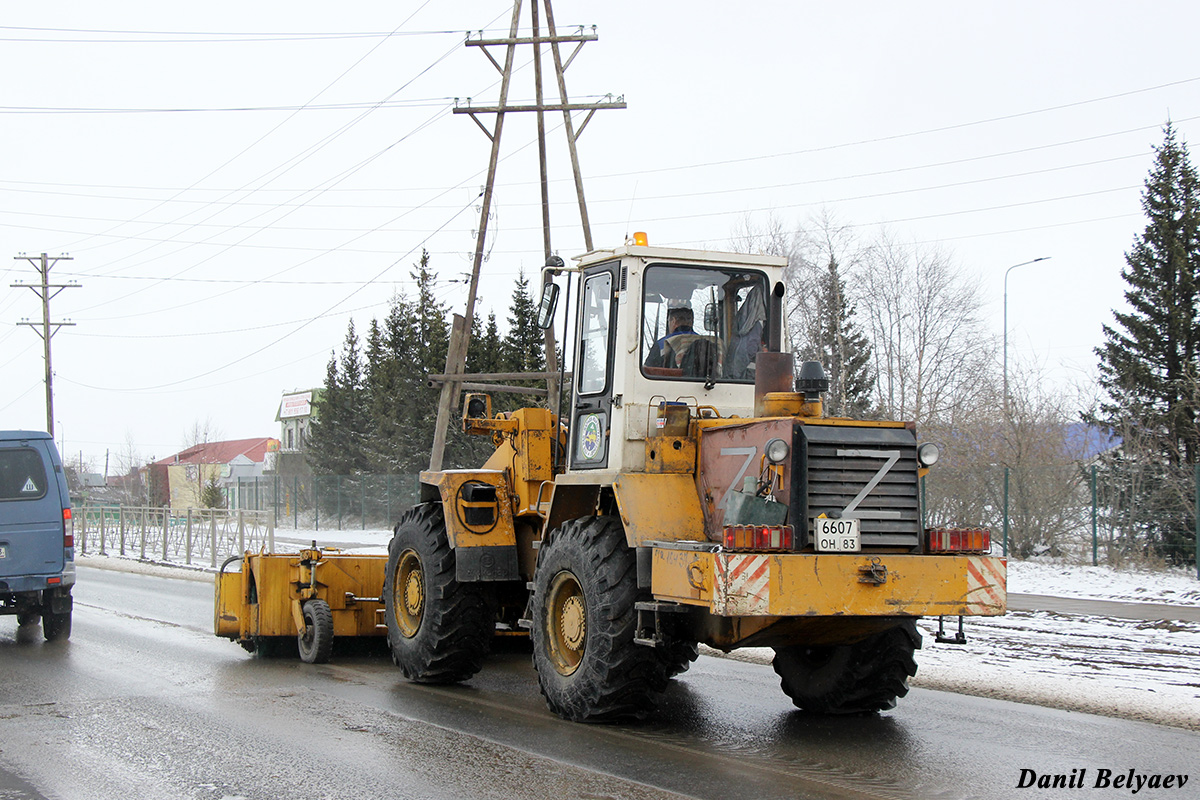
[
  {"x": 3, "y": 552},
  {"x": 836, "y": 535}
]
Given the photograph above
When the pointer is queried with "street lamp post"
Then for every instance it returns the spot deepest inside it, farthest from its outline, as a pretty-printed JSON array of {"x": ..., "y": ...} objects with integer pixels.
[{"x": 1010, "y": 269}]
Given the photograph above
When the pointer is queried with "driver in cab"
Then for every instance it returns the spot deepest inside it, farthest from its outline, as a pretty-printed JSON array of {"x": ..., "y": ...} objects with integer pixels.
[{"x": 669, "y": 351}]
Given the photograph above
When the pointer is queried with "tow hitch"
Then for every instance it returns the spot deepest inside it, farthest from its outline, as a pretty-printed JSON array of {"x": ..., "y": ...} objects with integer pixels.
[{"x": 942, "y": 638}]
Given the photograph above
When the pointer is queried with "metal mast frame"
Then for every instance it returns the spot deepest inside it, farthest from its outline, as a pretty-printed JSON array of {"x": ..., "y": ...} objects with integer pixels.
[{"x": 460, "y": 334}]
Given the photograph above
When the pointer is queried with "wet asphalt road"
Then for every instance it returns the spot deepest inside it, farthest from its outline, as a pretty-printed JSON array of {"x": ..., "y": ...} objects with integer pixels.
[{"x": 144, "y": 702}]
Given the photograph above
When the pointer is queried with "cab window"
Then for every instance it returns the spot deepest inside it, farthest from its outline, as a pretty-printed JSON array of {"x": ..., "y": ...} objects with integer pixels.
[
  {"x": 702, "y": 323},
  {"x": 593, "y": 337}
]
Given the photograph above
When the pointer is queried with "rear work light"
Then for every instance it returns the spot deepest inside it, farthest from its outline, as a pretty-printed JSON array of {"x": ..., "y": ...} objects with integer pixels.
[
  {"x": 959, "y": 540},
  {"x": 68, "y": 529},
  {"x": 759, "y": 537}
]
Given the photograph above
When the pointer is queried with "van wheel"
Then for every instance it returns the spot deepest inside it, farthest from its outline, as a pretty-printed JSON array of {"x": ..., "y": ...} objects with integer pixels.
[
  {"x": 316, "y": 643},
  {"x": 56, "y": 627},
  {"x": 29, "y": 618}
]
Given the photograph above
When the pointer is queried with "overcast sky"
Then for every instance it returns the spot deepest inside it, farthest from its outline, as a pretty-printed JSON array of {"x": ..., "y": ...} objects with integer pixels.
[{"x": 234, "y": 181}]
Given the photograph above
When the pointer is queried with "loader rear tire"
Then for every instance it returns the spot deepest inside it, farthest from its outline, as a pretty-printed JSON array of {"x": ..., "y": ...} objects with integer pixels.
[
  {"x": 859, "y": 678},
  {"x": 439, "y": 630},
  {"x": 316, "y": 643},
  {"x": 677, "y": 656},
  {"x": 585, "y": 586}
]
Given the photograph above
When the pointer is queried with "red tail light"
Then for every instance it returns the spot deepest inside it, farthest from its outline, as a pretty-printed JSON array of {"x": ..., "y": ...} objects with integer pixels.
[
  {"x": 759, "y": 537},
  {"x": 68, "y": 529},
  {"x": 959, "y": 540}
]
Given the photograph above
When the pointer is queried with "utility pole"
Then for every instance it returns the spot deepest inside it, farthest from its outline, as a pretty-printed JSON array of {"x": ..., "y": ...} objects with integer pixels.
[
  {"x": 46, "y": 329},
  {"x": 460, "y": 335}
]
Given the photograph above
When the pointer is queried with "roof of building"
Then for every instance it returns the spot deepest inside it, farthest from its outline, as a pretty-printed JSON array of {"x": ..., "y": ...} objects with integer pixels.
[{"x": 222, "y": 452}]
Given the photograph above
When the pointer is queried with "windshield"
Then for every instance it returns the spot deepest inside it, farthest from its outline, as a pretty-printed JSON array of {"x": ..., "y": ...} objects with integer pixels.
[{"x": 701, "y": 323}]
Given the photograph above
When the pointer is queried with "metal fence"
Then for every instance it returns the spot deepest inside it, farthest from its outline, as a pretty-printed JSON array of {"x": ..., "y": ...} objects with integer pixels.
[
  {"x": 1087, "y": 513},
  {"x": 198, "y": 536},
  {"x": 330, "y": 502},
  {"x": 1083, "y": 512}
]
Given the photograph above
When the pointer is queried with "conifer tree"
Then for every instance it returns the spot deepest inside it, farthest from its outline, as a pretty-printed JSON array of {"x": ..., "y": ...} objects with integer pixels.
[
  {"x": 835, "y": 340},
  {"x": 484, "y": 355},
  {"x": 1148, "y": 362},
  {"x": 524, "y": 348},
  {"x": 338, "y": 432}
]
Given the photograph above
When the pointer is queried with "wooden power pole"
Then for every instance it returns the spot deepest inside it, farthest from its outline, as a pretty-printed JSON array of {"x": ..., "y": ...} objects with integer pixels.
[
  {"x": 46, "y": 329},
  {"x": 460, "y": 334}
]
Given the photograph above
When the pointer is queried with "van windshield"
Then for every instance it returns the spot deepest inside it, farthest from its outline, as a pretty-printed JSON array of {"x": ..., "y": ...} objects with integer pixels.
[
  {"x": 22, "y": 474},
  {"x": 702, "y": 323}
]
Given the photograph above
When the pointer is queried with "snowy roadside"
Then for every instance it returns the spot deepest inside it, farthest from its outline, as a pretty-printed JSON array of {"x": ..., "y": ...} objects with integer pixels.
[
  {"x": 1096, "y": 665},
  {"x": 1059, "y": 579},
  {"x": 1134, "y": 669},
  {"x": 1092, "y": 664}
]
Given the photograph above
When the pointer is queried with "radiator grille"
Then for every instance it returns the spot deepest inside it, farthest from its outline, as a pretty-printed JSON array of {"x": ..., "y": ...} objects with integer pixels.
[{"x": 841, "y": 464}]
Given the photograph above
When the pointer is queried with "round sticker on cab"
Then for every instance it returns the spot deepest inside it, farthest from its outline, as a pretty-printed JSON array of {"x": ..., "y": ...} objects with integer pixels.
[{"x": 590, "y": 437}]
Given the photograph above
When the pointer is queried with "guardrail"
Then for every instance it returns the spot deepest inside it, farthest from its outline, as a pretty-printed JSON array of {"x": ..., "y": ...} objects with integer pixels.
[{"x": 197, "y": 536}]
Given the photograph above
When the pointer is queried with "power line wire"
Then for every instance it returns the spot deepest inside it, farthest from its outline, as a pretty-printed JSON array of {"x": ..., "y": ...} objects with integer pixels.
[{"x": 291, "y": 333}]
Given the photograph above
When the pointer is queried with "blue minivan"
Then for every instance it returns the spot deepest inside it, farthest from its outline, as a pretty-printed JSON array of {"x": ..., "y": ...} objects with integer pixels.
[{"x": 37, "y": 534}]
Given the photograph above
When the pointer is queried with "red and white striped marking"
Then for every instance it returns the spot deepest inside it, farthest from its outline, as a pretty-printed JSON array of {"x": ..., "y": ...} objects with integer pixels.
[
  {"x": 742, "y": 584},
  {"x": 987, "y": 584}
]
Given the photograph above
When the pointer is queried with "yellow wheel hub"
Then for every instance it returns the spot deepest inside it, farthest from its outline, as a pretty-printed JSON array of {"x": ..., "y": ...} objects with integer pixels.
[
  {"x": 408, "y": 593},
  {"x": 566, "y": 618},
  {"x": 573, "y": 623}
]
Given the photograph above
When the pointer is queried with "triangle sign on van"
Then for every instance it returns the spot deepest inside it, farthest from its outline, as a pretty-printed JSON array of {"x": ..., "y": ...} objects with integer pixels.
[{"x": 29, "y": 486}]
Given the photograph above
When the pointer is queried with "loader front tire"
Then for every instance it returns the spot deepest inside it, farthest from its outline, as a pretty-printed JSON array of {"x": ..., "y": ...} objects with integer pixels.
[
  {"x": 585, "y": 586},
  {"x": 316, "y": 643},
  {"x": 439, "y": 630},
  {"x": 858, "y": 678}
]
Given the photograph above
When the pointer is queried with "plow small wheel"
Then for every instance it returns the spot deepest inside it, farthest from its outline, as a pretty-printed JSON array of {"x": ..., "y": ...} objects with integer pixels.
[{"x": 316, "y": 643}]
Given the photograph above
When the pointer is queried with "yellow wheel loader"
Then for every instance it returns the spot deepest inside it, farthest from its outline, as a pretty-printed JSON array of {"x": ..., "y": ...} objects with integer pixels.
[{"x": 692, "y": 492}]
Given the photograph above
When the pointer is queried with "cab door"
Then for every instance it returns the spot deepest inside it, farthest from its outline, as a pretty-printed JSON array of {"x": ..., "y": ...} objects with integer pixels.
[{"x": 592, "y": 408}]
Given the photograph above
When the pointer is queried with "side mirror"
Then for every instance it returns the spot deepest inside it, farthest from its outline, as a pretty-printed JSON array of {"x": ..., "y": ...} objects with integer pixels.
[
  {"x": 710, "y": 317},
  {"x": 545, "y": 317}
]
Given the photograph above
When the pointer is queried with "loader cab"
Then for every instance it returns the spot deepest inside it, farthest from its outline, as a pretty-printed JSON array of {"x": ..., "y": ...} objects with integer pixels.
[{"x": 657, "y": 325}]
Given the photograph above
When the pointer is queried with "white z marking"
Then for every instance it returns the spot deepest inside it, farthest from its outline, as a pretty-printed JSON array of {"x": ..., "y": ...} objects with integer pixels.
[
  {"x": 892, "y": 457},
  {"x": 749, "y": 453}
]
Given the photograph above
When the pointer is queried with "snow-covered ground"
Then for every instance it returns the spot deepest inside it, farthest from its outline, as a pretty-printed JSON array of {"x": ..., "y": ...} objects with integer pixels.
[
  {"x": 1054, "y": 577},
  {"x": 1147, "y": 670},
  {"x": 1094, "y": 664}
]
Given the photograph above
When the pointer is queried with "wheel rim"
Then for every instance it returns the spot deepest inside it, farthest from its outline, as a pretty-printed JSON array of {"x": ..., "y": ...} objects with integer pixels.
[
  {"x": 408, "y": 593},
  {"x": 566, "y": 623},
  {"x": 310, "y": 632}
]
